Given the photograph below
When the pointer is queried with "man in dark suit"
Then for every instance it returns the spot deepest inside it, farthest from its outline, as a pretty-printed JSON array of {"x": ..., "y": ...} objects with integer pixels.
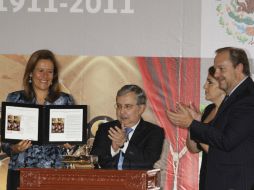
[
  {"x": 129, "y": 142},
  {"x": 230, "y": 163}
]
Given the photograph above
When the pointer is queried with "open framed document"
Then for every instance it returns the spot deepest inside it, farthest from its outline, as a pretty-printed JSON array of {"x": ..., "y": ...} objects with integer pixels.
[{"x": 43, "y": 124}]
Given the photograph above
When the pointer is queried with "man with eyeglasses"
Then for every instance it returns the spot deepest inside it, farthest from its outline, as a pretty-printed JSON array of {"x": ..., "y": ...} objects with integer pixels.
[{"x": 128, "y": 142}]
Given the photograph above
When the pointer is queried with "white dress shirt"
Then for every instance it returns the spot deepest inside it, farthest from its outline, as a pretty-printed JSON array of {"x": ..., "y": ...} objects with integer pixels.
[{"x": 125, "y": 146}]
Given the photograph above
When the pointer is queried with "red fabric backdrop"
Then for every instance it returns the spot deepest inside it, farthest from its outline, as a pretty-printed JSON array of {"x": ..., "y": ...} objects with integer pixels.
[{"x": 167, "y": 81}]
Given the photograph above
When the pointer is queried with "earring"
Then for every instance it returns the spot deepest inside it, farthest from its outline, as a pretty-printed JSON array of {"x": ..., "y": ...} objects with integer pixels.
[{"x": 30, "y": 79}]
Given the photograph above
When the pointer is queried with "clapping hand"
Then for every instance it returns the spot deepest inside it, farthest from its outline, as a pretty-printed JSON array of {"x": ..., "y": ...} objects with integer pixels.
[
  {"x": 193, "y": 111},
  {"x": 118, "y": 137},
  {"x": 181, "y": 117}
]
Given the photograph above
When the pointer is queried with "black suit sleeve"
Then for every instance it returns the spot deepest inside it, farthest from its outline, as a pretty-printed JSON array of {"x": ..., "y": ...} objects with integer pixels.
[
  {"x": 144, "y": 153},
  {"x": 235, "y": 127},
  {"x": 102, "y": 147}
]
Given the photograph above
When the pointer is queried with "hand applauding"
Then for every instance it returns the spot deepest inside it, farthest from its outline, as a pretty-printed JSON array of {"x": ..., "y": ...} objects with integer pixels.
[
  {"x": 182, "y": 117},
  {"x": 118, "y": 137}
]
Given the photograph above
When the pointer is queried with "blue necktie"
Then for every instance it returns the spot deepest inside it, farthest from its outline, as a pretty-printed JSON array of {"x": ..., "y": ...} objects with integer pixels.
[{"x": 121, "y": 156}]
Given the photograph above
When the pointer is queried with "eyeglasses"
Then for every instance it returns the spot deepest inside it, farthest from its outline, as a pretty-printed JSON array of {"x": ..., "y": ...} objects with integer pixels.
[{"x": 125, "y": 106}]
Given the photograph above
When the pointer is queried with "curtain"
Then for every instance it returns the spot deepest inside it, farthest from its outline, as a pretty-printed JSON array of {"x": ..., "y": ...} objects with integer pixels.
[{"x": 167, "y": 81}]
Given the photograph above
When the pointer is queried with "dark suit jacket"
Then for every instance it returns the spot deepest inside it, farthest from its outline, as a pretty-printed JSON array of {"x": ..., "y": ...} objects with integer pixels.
[
  {"x": 143, "y": 151},
  {"x": 230, "y": 160},
  {"x": 202, "y": 173}
]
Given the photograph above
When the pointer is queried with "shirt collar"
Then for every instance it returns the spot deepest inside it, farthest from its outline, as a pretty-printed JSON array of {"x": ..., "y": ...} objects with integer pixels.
[
  {"x": 135, "y": 126},
  {"x": 238, "y": 85}
]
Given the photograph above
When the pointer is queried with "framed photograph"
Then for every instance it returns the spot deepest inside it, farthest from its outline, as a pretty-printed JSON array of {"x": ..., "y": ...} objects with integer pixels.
[{"x": 44, "y": 124}]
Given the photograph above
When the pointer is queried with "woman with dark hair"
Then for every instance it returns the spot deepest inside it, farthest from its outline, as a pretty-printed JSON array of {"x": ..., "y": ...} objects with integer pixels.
[
  {"x": 41, "y": 59},
  {"x": 216, "y": 95},
  {"x": 41, "y": 86}
]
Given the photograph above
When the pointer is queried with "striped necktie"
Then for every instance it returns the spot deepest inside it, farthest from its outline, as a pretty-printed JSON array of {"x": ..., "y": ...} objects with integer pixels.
[{"x": 121, "y": 156}]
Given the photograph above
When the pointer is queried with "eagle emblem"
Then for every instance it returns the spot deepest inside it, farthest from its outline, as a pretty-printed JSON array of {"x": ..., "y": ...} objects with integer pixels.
[{"x": 237, "y": 18}]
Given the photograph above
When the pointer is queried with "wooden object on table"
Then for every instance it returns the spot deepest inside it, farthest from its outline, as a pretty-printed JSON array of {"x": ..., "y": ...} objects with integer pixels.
[{"x": 87, "y": 179}]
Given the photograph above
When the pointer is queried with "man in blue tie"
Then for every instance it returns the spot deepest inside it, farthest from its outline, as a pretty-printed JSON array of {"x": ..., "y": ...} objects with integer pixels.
[{"x": 128, "y": 142}]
